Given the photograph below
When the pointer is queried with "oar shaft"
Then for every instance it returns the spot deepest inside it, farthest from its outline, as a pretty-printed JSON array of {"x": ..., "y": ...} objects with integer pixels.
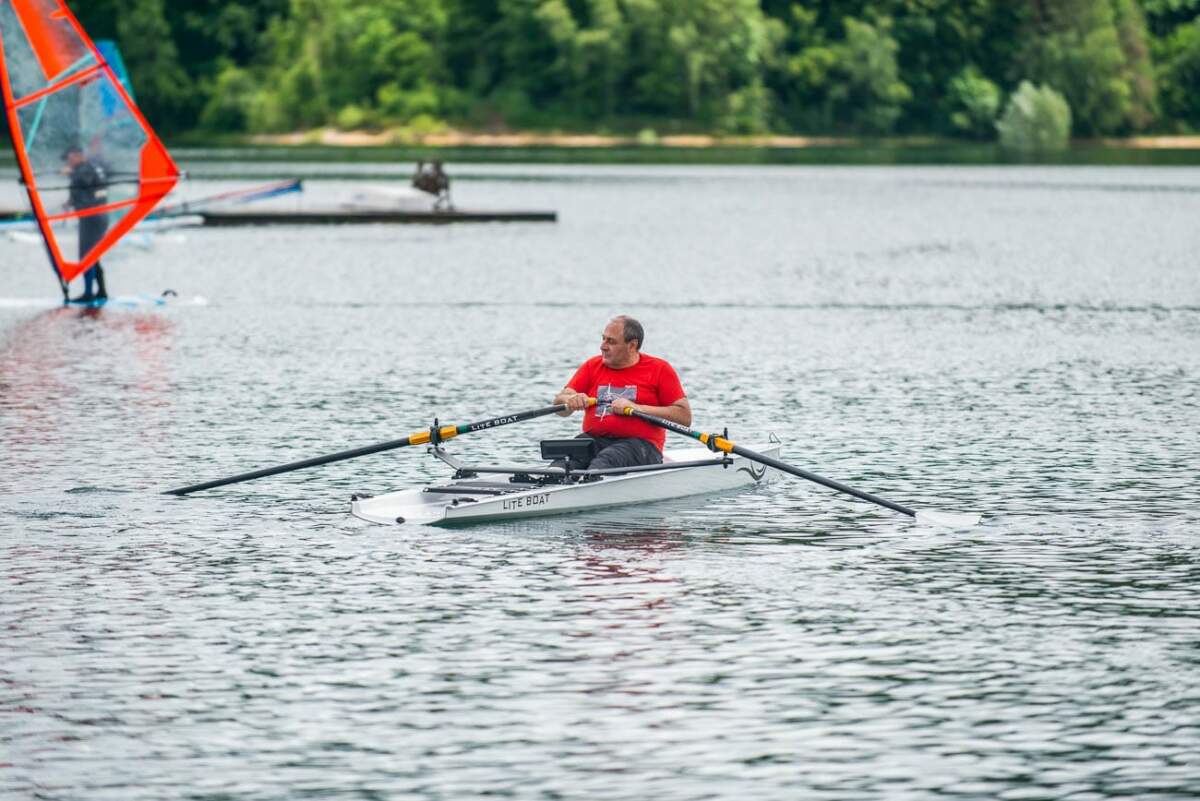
[
  {"x": 828, "y": 482},
  {"x": 417, "y": 438},
  {"x": 728, "y": 446},
  {"x": 300, "y": 465}
]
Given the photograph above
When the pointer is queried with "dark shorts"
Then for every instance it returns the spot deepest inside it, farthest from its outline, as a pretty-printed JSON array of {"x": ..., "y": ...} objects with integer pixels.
[{"x": 623, "y": 452}]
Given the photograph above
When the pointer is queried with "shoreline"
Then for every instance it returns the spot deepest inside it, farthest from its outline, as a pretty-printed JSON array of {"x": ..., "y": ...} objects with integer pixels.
[{"x": 329, "y": 137}]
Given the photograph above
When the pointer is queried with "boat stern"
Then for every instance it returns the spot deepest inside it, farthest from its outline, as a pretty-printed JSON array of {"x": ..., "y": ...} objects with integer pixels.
[{"x": 396, "y": 508}]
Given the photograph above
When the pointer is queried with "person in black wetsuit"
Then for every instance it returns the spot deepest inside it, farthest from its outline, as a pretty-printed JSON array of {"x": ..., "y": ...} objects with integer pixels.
[{"x": 88, "y": 188}]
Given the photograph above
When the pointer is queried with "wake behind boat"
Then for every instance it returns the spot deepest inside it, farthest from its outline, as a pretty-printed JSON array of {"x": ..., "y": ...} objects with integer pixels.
[{"x": 504, "y": 492}]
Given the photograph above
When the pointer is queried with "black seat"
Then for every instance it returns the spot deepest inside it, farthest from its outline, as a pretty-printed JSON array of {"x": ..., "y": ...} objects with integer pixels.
[{"x": 577, "y": 453}]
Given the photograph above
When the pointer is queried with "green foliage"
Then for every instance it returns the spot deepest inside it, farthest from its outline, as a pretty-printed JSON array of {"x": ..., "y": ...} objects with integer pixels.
[
  {"x": 231, "y": 100},
  {"x": 802, "y": 74},
  {"x": 694, "y": 56},
  {"x": 1179, "y": 74},
  {"x": 352, "y": 118},
  {"x": 866, "y": 89},
  {"x": 938, "y": 39},
  {"x": 1094, "y": 50},
  {"x": 162, "y": 87},
  {"x": 1139, "y": 70},
  {"x": 736, "y": 66},
  {"x": 973, "y": 102},
  {"x": 647, "y": 137},
  {"x": 1164, "y": 16},
  {"x": 1036, "y": 119}
]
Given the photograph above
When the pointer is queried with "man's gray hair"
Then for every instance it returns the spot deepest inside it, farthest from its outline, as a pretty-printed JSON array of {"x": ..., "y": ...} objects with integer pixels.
[{"x": 633, "y": 329}]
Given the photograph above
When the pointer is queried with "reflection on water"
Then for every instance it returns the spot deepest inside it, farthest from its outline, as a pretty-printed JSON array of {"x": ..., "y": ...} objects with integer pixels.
[
  {"x": 1000, "y": 341},
  {"x": 50, "y": 364}
]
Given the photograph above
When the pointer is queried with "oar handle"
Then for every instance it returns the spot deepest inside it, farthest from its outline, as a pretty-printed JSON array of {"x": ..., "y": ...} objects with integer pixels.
[
  {"x": 434, "y": 434},
  {"x": 728, "y": 446}
]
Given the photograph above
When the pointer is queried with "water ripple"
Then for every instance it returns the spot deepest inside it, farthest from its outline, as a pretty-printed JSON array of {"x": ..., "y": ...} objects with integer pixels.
[{"x": 945, "y": 343}]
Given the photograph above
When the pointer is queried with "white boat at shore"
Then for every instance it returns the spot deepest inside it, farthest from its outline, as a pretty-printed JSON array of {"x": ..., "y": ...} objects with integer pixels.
[{"x": 501, "y": 492}]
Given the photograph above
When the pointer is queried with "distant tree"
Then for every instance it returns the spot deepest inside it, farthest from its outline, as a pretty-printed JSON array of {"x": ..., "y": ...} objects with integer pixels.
[
  {"x": 1036, "y": 119},
  {"x": 801, "y": 74},
  {"x": 937, "y": 40},
  {"x": 973, "y": 103},
  {"x": 1179, "y": 74},
  {"x": 231, "y": 103},
  {"x": 1139, "y": 69},
  {"x": 589, "y": 49},
  {"x": 866, "y": 91},
  {"x": 1163, "y": 17},
  {"x": 165, "y": 93},
  {"x": 530, "y": 72},
  {"x": 702, "y": 59},
  {"x": 601, "y": 45},
  {"x": 1075, "y": 45},
  {"x": 368, "y": 60}
]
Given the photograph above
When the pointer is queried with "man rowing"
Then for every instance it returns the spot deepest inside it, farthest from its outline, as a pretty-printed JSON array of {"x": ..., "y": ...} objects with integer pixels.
[{"x": 619, "y": 378}]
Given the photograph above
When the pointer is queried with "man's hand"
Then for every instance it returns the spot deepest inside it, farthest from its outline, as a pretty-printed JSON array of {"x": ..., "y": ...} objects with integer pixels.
[
  {"x": 574, "y": 401},
  {"x": 619, "y": 405}
]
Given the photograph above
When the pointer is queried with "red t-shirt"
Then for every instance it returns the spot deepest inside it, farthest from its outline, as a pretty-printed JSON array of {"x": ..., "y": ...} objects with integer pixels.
[{"x": 650, "y": 382}]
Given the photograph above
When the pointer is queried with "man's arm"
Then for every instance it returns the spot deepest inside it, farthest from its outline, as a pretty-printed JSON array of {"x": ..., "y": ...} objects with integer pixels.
[{"x": 678, "y": 412}]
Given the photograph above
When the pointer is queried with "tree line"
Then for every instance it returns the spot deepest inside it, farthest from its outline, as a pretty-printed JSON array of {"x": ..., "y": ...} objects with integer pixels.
[{"x": 856, "y": 67}]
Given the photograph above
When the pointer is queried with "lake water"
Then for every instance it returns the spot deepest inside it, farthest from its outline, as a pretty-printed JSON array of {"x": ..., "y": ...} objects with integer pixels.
[{"x": 1020, "y": 342}]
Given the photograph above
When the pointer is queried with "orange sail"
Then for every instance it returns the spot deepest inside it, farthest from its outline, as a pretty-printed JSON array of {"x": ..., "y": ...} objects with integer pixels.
[{"x": 65, "y": 106}]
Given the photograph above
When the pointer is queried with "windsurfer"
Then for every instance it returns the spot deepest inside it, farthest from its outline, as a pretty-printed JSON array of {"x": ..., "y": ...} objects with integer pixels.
[
  {"x": 88, "y": 189},
  {"x": 622, "y": 377}
]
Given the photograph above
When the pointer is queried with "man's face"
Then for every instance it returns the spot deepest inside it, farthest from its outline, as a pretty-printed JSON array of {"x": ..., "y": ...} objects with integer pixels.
[
  {"x": 614, "y": 349},
  {"x": 74, "y": 158}
]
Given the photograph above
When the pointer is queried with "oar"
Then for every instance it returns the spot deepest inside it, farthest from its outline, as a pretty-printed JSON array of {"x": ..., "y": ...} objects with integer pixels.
[
  {"x": 434, "y": 434},
  {"x": 722, "y": 444}
]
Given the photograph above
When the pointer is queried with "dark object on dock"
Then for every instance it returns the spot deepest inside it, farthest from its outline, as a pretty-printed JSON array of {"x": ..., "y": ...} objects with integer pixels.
[
  {"x": 361, "y": 216},
  {"x": 432, "y": 179}
]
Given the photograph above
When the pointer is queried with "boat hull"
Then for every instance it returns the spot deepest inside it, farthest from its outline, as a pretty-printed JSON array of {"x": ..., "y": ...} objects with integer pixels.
[{"x": 423, "y": 506}]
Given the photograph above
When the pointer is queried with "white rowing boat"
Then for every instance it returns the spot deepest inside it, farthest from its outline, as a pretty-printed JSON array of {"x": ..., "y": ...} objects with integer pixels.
[{"x": 502, "y": 492}]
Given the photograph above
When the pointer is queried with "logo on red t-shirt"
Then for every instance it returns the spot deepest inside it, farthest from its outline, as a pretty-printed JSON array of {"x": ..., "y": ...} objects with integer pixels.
[{"x": 606, "y": 393}]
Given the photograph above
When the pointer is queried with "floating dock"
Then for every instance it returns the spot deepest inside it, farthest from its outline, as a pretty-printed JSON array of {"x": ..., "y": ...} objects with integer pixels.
[{"x": 232, "y": 217}]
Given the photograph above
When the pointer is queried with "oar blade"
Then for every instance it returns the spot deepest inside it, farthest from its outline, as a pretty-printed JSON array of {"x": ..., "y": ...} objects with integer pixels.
[{"x": 948, "y": 519}]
